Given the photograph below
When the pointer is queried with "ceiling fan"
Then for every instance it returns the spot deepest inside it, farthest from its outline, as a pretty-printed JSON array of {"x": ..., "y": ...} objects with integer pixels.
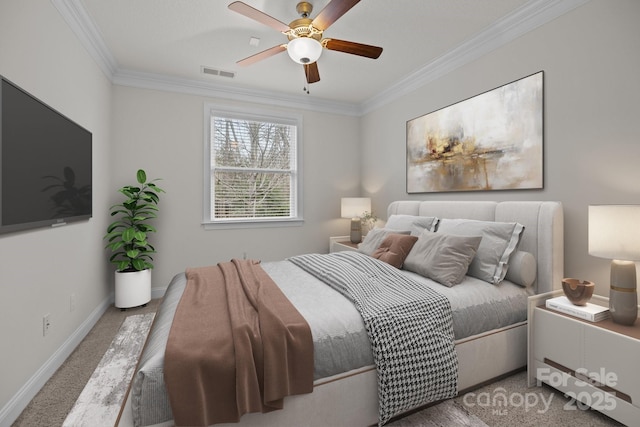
[{"x": 305, "y": 35}]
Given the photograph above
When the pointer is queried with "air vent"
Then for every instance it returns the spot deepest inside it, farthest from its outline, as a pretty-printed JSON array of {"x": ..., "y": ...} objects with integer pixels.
[{"x": 216, "y": 72}]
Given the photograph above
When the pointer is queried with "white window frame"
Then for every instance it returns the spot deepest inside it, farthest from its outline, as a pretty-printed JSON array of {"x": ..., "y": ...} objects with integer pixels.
[{"x": 255, "y": 114}]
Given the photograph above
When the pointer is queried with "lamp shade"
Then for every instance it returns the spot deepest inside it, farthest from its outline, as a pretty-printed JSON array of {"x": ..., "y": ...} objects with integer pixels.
[
  {"x": 304, "y": 50},
  {"x": 352, "y": 207},
  {"x": 614, "y": 232}
]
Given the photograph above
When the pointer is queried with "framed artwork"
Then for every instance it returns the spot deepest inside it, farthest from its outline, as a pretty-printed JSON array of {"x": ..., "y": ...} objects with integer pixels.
[{"x": 492, "y": 141}]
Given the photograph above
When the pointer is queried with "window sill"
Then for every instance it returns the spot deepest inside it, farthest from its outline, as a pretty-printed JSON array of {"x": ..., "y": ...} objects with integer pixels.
[{"x": 267, "y": 223}]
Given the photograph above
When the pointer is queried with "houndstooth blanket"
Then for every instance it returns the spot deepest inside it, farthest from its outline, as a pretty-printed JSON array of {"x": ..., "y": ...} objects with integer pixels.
[{"x": 409, "y": 325}]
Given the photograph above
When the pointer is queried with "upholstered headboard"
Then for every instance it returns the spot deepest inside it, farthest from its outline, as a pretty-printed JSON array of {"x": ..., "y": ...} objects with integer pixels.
[{"x": 543, "y": 234}]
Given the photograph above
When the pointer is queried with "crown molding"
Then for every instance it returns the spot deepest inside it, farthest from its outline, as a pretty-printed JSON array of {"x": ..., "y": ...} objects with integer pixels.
[
  {"x": 521, "y": 21},
  {"x": 530, "y": 16},
  {"x": 86, "y": 31},
  {"x": 201, "y": 88}
]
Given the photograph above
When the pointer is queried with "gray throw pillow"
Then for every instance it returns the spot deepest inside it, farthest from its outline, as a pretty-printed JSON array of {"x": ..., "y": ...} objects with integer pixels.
[
  {"x": 499, "y": 241},
  {"x": 442, "y": 257}
]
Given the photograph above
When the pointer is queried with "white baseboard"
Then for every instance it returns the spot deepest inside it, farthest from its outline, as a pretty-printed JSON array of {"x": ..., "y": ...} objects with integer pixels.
[{"x": 12, "y": 410}]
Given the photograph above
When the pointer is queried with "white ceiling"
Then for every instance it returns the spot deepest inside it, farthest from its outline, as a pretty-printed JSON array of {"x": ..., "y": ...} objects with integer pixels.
[{"x": 173, "y": 39}]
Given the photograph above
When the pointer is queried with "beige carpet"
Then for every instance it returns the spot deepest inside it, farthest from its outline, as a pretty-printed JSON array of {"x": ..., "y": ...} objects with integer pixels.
[
  {"x": 528, "y": 407},
  {"x": 50, "y": 406},
  {"x": 545, "y": 407},
  {"x": 525, "y": 407}
]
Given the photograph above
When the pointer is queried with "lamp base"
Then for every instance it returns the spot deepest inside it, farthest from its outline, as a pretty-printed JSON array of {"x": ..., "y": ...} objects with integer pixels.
[
  {"x": 356, "y": 230},
  {"x": 623, "y": 296},
  {"x": 623, "y": 306}
]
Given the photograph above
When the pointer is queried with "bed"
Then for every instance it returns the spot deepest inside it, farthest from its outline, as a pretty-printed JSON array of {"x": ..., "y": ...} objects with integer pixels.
[{"x": 488, "y": 319}]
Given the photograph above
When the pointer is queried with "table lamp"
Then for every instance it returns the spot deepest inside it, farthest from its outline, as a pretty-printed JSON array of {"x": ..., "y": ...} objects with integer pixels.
[
  {"x": 354, "y": 207},
  {"x": 614, "y": 233}
]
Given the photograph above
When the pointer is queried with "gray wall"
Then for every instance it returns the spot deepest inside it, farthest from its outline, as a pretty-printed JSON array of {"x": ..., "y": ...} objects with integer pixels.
[
  {"x": 39, "y": 270},
  {"x": 162, "y": 132},
  {"x": 591, "y": 64}
]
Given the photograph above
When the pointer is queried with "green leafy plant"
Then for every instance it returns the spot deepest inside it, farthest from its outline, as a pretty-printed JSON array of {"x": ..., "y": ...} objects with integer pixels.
[
  {"x": 127, "y": 236},
  {"x": 368, "y": 219}
]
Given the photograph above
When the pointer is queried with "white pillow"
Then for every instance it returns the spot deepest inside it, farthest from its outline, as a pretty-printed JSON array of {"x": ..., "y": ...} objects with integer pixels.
[
  {"x": 499, "y": 241},
  {"x": 413, "y": 223},
  {"x": 374, "y": 238}
]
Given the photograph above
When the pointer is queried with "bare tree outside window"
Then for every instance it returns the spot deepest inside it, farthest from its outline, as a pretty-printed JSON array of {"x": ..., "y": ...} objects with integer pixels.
[{"x": 253, "y": 169}]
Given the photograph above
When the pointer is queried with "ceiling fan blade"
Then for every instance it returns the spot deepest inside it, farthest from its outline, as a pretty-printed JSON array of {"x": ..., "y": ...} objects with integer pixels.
[
  {"x": 353, "y": 48},
  {"x": 311, "y": 71},
  {"x": 257, "y": 15},
  {"x": 262, "y": 55},
  {"x": 331, "y": 12}
]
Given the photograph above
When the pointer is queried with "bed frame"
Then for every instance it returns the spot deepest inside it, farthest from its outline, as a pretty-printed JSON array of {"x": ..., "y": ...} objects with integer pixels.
[{"x": 350, "y": 399}]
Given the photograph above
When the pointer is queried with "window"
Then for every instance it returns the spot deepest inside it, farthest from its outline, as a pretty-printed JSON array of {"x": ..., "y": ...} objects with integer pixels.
[{"x": 251, "y": 168}]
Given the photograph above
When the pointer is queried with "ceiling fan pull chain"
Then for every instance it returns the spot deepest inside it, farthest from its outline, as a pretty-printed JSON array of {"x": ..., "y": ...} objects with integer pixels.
[{"x": 306, "y": 87}]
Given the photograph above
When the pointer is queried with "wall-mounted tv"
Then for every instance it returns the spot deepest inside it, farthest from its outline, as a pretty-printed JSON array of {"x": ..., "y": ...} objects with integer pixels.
[{"x": 45, "y": 164}]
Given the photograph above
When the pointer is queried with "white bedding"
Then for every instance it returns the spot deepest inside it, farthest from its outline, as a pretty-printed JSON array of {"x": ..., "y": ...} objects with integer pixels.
[
  {"x": 340, "y": 339},
  {"x": 477, "y": 306}
]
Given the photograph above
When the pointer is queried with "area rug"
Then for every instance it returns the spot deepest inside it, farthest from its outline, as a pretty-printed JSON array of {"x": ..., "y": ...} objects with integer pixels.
[{"x": 101, "y": 399}]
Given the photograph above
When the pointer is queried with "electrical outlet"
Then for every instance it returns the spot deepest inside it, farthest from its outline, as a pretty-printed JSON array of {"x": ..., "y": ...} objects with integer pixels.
[{"x": 46, "y": 324}]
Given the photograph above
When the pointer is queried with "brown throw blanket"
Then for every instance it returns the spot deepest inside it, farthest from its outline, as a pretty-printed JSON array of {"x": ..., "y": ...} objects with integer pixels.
[{"x": 236, "y": 345}]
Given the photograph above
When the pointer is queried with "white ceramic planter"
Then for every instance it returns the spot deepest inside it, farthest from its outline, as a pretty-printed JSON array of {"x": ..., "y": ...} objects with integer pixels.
[{"x": 133, "y": 288}]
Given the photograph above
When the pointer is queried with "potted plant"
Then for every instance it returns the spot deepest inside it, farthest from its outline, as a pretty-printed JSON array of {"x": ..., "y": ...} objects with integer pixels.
[
  {"x": 368, "y": 220},
  {"x": 128, "y": 240}
]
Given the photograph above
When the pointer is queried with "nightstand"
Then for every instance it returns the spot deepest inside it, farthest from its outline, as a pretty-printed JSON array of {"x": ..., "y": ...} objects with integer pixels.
[
  {"x": 594, "y": 363},
  {"x": 341, "y": 243}
]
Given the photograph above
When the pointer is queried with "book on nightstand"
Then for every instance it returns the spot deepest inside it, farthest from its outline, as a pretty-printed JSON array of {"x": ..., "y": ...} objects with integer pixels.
[{"x": 590, "y": 312}]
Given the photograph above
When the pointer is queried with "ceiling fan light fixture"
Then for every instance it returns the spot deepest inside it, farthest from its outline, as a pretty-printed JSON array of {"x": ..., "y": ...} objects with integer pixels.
[{"x": 304, "y": 50}]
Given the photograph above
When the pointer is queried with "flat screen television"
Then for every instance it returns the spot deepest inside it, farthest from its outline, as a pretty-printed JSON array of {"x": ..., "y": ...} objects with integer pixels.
[{"x": 45, "y": 164}]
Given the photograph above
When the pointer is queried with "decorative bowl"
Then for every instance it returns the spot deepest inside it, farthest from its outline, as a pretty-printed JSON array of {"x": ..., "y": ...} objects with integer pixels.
[{"x": 578, "y": 291}]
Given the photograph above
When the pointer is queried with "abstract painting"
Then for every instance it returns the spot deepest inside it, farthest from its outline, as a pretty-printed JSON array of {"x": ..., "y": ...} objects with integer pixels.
[{"x": 492, "y": 141}]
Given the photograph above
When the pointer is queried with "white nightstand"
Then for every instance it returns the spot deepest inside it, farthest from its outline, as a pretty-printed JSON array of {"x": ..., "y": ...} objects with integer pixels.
[
  {"x": 594, "y": 363},
  {"x": 341, "y": 243}
]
